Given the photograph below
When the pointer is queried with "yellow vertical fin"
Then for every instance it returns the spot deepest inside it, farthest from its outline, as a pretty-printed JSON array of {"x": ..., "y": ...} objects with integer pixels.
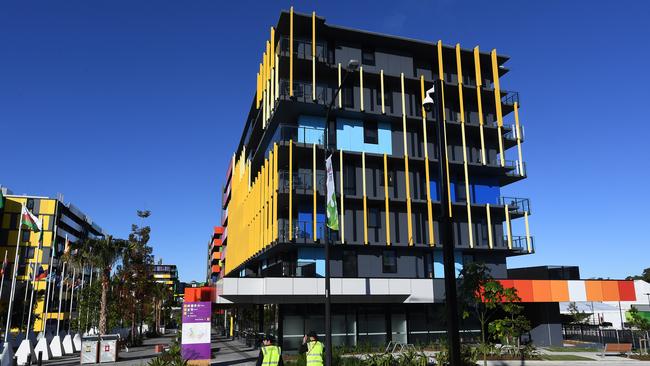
[
  {"x": 386, "y": 199},
  {"x": 468, "y": 203},
  {"x": 381, "y": 81},
  {"x": 341, "y": 188},
  {"x": 406, "y": 168},
  {"x": 291, "y": 189},
  {"x": 291, "y": 52},
  {"x": 365, "y": 207},
  {"x": 444, "y": 121}
]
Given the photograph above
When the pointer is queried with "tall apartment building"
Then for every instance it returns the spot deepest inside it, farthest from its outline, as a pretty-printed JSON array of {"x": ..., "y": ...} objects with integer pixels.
[
  {"x": 166, "y": 274},
  {"x": 60, "y": 220},
  {"x": 386, "y": 257}
]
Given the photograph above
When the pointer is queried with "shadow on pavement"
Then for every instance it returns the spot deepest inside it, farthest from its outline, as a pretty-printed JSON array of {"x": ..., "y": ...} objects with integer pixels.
[{"x": 235, "y": 362}]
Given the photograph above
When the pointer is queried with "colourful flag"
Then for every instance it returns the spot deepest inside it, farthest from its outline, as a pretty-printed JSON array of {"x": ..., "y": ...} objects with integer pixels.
[
  {"x": 2, "y": 199},
  {"x": 41, "y": 274},
  {"x": 331, "y": 210},
  {"x": 31, "y": 221}
]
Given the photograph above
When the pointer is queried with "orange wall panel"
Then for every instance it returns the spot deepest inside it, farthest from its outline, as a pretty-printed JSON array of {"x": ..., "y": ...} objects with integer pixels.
[
  {"x": 626, "y": 290},
  {"x": 610, "y": 290},
  {"x": 542, "y": 291},
  {"x": 594, "y": 290},
  {"x": 559, "y": 291},
  {"x": 524, "y": 290}
]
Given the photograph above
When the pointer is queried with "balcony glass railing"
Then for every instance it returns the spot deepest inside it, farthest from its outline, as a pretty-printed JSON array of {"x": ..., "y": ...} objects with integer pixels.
[
  {"x": 520, "y": 243},
  {"x": 302, "y": 134},
  {"x": 516, "y": 205},
  {"x": 512, "y": 133},
  {"x": 303, "y": 181},
  {"x": 302, "y": 49}
]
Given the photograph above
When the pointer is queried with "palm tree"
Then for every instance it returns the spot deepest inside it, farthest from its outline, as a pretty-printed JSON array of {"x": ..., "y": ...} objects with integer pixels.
[{"x": 102, "y": 254}]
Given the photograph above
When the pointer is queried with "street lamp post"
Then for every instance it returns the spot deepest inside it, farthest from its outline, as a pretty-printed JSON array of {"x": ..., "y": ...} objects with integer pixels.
[
  {"x": 434, "y": 103},
  {"x": 352, "y": 65}
]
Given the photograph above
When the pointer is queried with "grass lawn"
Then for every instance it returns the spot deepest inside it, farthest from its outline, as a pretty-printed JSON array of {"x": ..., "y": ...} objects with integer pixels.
[
  {"x": 574, "y": 349},
  {"x": 565, "y": 358}
]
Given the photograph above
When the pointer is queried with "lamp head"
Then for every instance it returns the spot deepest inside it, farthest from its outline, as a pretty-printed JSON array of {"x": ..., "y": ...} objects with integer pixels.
[
  {"x": 428, "y": 102},
  {"x": 353, "y": 65}
]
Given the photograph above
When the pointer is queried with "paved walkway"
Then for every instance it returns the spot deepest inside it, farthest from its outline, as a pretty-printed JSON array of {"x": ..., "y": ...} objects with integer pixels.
[
  {"x": 226, "y": 352},
  {"x": 135, "y": 357}
]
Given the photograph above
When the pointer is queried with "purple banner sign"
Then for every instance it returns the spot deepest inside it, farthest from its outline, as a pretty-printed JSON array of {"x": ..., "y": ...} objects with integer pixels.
[{"x": 196, "y": 331}]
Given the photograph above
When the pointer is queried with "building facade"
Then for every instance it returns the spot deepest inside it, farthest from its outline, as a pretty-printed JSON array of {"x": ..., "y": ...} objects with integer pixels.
[
  {"x": 166, "y": 274},
  {"x": 60, "y": 222},
  {"x": 386, "y": 257}
]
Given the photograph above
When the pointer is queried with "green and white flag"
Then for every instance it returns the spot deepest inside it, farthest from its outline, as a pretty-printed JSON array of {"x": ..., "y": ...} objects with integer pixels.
[
  {"x": 31, "y": 221},
  {"x": 332, "y": 210}
]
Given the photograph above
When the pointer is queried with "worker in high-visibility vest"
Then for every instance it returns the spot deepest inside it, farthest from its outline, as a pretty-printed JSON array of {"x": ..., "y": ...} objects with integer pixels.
[
  {"x": 313, "y": 349},
  {"x": 270, "y": 354}
]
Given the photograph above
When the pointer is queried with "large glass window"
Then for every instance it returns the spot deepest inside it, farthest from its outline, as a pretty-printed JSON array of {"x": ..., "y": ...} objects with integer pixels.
[
  {"x": 389, "y": 261},
  {"x": 370, "y": 132},
  {"x": 349, "y": 180}
]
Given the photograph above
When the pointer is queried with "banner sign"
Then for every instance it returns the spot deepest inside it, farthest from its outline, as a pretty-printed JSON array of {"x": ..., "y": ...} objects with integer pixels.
[{"x": 195, "y": 336}]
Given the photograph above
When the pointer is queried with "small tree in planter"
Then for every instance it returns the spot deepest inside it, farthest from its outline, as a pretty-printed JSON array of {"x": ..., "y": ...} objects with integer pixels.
[{"x": 510, "y": 328}]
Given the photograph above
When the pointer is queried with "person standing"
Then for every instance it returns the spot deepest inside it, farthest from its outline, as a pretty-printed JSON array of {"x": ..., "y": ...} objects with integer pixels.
[
  {"x": 270, "y": 354},
  {"x": 313, "y": 349}
]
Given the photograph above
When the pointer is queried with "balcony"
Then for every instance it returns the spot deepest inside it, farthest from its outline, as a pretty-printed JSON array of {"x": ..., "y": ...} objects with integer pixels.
[
  {"x": 302, "y": 134},
  {"x": 303, "y": 181},
  {"x": 302, "y": 49},
  {"x": 303, "y": 92},
  {"x": 302, "y": 231},
  {"x": 520, "y": 244},
  {"x": 509, "y": 97},
  {"x": 517, "y": 206}
]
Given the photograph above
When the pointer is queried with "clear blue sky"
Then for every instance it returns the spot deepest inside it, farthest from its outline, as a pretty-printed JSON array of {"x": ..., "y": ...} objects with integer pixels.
[{"x": 127, "y": 105}]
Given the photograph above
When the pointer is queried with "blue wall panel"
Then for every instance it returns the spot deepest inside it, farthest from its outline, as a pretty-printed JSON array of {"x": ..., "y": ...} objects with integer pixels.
[
  {"x": 439, "y": 268},
  {"x": 311, "y": 129},
  {"x": 349, "y": 136},
  {"x": 313, "y": 255},
  {"x": 485, "y": 190},
  {"x": 305, "y": 227}
]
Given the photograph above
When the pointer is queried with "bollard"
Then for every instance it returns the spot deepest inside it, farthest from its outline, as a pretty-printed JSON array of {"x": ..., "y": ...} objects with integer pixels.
[{"x": 39, "y": 362}]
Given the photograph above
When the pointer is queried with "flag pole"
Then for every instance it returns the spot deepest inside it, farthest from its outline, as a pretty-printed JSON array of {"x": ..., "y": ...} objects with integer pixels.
[
  {"x": 49, "y": 285},
  {"x": 39, "y": 261},
  {"x": 4, "y": 269},
  {"x": 58, "y": 317},
  {"x": 90, "y": 284},
  {"x": 74, "y": 273},
  {"x": 83, "y": 278},
  {"x": 50, "y": 288},
  {"x": 27, "y": 265},
  {"x": 13, "y": 277}
]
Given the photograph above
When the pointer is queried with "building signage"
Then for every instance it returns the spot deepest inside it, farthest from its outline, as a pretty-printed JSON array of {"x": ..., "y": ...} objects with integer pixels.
[{"x": 195, "y": 338}]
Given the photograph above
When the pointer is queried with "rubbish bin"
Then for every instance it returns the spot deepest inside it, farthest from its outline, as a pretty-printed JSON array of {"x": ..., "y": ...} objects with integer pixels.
[
  {"x": 89, "y": 349},
  {"x": 108, "y": 348}
]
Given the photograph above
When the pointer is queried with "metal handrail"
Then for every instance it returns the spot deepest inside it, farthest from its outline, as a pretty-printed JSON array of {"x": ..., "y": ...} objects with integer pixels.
[{"x": 516, "y": 204}]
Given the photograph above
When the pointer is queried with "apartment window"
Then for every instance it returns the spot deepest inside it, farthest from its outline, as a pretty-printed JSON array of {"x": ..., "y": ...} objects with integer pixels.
[
  {"x": 370, "y": 132},
  {"x": 368, "y": 57},
  {"x": 25, "y": 235},
  {"x": 389, "y": 261},
  {"x": 349, "y": 180},
  {"x": 350, "y": 263},
  {"x": 30, "y": 204}
]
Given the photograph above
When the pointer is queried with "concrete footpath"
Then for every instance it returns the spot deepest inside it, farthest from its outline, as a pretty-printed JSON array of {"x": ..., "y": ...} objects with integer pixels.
[
  {"x": 227, "y": 352},
  {"x": 135, "y": 357}
]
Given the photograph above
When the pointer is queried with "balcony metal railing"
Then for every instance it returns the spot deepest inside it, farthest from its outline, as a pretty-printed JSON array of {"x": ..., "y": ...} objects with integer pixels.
[
  {"x": 303, "y": 134},
  {"x": 302, "y": 231},
  {"x": 509, "y": 97},
  {"x": 516, "y": 205},
  {"x": 303, "y": 181},
  {"x": 302, "y": 92},
  {"x": 520, "y": 243}
]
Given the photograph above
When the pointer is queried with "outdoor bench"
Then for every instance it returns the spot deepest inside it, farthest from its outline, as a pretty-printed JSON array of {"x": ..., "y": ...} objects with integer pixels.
[{"x": 625, "y": 348}]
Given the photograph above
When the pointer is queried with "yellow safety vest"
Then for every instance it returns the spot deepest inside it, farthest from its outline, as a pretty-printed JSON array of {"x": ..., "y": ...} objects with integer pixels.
[
  {"x": 314, "y": 353},
  {"x": 271, "y": 355}
]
